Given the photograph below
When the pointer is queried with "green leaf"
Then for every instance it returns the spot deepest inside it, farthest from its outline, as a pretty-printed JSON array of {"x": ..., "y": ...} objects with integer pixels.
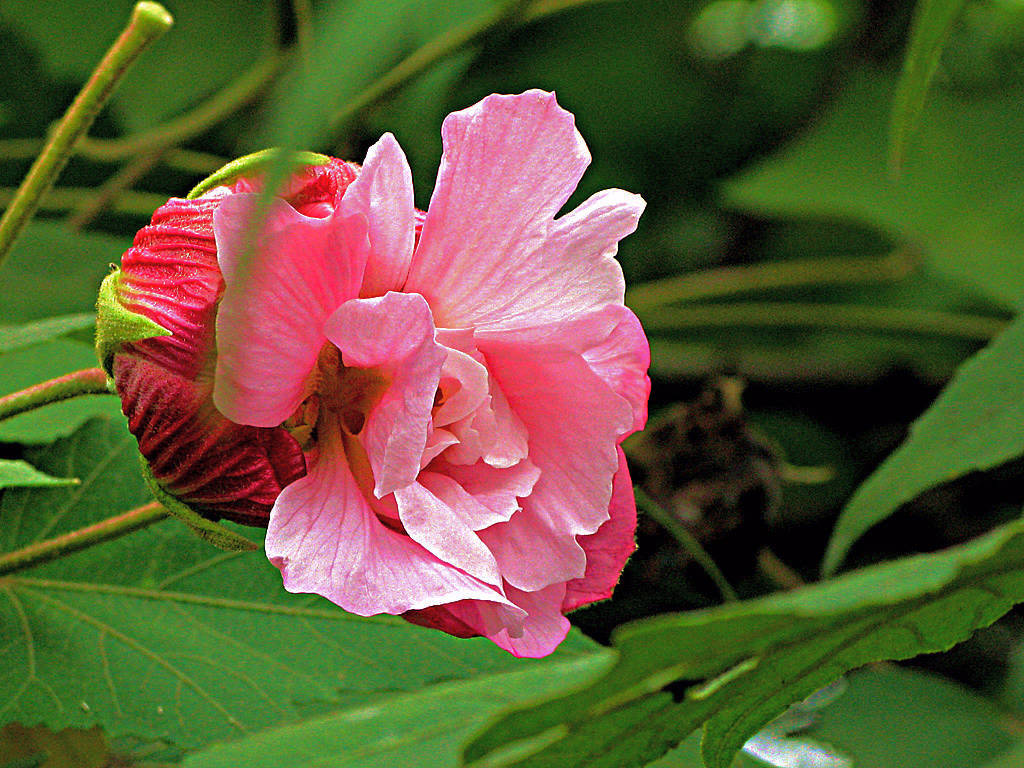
[
  {"x": 933, "y": 21},
  {"x": 54, "y": 271},
  {"x": 14, "y": 337},
  {"x": 160, "y": 636},
  {"x": 956, "y": 200},
  {"x": 15, "y": 473},
  {"x": 425, "y": 729},
  {"x": 890, "y": 717},
  {"x": 743, "y": 664},
  {"x": 976, "y": 423},
  {"x": 31, "y": 365}
]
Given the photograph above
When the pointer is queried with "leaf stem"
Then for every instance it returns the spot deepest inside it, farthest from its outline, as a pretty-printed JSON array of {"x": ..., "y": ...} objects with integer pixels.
[
  {"x": 687, "y": 541},
  {"x": 52, "y": 549},
  {"x": 822, "y": 315},
  {"x": 108, "y": 193},
  {"x": 185, "y": 160},
  {"x": 148, "y": 22},
  {"x": 128, "y": 202},
  {"x": 90, "y": 381},
  {"x": 726, "y": 281}
]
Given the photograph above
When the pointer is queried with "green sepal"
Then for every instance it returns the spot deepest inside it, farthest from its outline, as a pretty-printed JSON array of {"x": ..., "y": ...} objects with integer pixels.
[
  {"x": 116, "y": 325},
  {"x": 250, "y": 164},
  {"x": 214, "y": 533}
]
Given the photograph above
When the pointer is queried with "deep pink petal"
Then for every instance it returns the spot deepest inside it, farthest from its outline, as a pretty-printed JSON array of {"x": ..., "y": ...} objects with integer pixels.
[
  {"x": 325, "y": 538},
  {"x": 393, "y": 334},
  {"x": 270, "y": 324},
  {"x": 438, "y": 514},
  {"x": 383, "y": 194},
  {"x": 509, "y": 165},
  {"x": 609, "y": 548}
]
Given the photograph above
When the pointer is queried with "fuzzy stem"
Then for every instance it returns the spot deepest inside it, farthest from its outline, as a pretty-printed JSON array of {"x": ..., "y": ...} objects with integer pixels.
[
  {"x": 91, "y": 381},
  {"x": 52, "y": 549},
  {"x": 148, "y": 22},
  {"x": 846, "y": 317},
  {"x": 687, "y": 541},
  {"x": 726, "y": 281}
]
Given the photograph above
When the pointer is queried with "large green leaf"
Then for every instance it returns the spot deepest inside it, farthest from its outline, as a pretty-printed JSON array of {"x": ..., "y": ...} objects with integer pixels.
[
  {"x": 15, "y": 473},
  {"x": 933, "y": 21},
  {"x": 161, "y": 636},
  {"x": 27, "y": 366},
  {"x": 425, "y": 729},
  {"x": 14, "y": 337},
  {"x": 957, "y": 198},
  {"x": 743, "y": 664},
  {"x": 976, "y": 423}
]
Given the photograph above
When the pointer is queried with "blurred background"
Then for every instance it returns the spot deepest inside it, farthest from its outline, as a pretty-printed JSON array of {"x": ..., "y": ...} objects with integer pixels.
[{"x": 804, "y": 301}]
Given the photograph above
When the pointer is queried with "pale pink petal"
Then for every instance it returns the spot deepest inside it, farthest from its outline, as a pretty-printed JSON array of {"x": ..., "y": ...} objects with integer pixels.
[
  {"x": 498, "y": 489},
  {"x": 533, "y": 551},
  {"x": 609, "y": 548},
  {"x": 437, "y": 441},
  {"x": 509, "y": 165},
  {"x": 574, "y": 421},
  {"x": 382, "y": 193},
  {"x": 542, "y": 631},
  {"x": 393, "y": 334},
  {"x": 325, "y": 538},
  {"x": 443, "y": 518},
  {"x": 545, "y": 626},
  {"x": 270, "y": 324},
  {"x": 464, "y": 383}
]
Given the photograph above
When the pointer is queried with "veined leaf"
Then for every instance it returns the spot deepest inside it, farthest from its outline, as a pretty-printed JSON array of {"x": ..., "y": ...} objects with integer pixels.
[
  {"x": 14, "y": 337},
  {"x": 933, "y": 21},
  {"x": 743, "y": 664},
  {"x": 976, "y": 423},
  {"x": 424, "y": 729},
  {"x": 161, "y": 636},
  {"x": 21, "y": 474}
]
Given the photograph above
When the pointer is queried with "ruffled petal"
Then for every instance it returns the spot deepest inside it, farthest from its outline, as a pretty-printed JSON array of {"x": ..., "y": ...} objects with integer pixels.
[
  {"x": 325, "y": 539},
  {"x": 438, "y": 514},
  {"x": 533, "y": 551},
  {"x": 497, "y": 489},
  {"x": 382, "y": 193},
  {"x": 609, "y": 548},
  {"x": 270, "y": 324},
  {"x": 393, "y": 334},
  {"x": 509, "y": 164}
]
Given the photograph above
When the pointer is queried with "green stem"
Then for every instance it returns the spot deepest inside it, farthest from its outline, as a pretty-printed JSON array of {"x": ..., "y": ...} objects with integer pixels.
[
  {"x": 91, "y": 381},
  {"x": 725, "y": 281},
  {"x": 687, "y": 541},
  {"x": 185, "y": 160},
  {"x": 110, "y": 192},
  {"x": 60, "y": 546},
  {"x": 64, "y": 198},
  {"x": 424, "y": 57},
  {"x": 841, "y": 316},
  {"x": 148, "y": 22}
]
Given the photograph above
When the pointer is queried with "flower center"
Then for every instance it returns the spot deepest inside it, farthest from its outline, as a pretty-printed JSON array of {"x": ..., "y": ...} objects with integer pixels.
[{"x": 339, "y": 395}]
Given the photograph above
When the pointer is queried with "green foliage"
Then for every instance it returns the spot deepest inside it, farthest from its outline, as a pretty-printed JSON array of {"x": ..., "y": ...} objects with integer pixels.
[
  {"x": 956, "y": 199},
  {"x": 933, "y": 21},
  {"x": 15, "y": 473},
  {"x": 160, "y": 636},
  {"x": 40, "y": 362},
  {"x": 424, "y": 729},
  {"x": 14, "y": 337},
  {"x": 760, "y": 656},
  {"x": 976, "y": 423}
]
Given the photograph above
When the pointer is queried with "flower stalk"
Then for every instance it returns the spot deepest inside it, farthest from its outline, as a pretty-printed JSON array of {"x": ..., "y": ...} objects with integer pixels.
[
  {"x": 90, "y": 381},
  {"x": 60, "y": 546},
  {"x": 149, "y": 21}
]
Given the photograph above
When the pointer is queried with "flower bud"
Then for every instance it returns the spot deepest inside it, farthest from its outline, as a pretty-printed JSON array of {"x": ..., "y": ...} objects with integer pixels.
[{"x": 155, "y": 338}]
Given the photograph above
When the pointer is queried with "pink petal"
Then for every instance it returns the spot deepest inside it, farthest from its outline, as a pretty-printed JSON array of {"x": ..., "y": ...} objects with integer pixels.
[
  {"x": 497, "y": 489},
  {"x": 394, "y": 334},
  {"x": 383, "y": 194},
  {"x": 464, "y": 382},
  {"x": 509, "y": 165},
  {"x": 325, "y": 538},
  {"x": 609, "y": 548},
  {"x": 438, "y": 514},
  {"x": 532, "y": 551},
  {"x": 543, "y": 630},
  {"x": 270, "y": 324}
]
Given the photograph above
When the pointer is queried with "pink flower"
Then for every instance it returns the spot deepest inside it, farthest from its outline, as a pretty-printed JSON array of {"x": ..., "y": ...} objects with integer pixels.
[{"x": 460, "y": 394}]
